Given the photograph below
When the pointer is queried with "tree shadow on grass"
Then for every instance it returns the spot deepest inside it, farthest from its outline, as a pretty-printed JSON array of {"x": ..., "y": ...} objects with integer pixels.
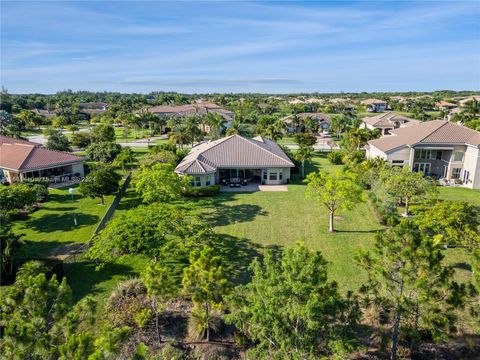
[
  {"x": 61, "y": 222},
  {"x": 359, "y": 231},
  {"x": 463, "y": 266},
  {"x": 232, "y": 214},
  {"x": 129, "y": 201},
  {"x": 84, "y": 278}
]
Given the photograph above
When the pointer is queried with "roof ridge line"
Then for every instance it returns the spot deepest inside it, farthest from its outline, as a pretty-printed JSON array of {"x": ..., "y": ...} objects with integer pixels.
[
  {"x": 434, "y": 131},
  {"x": 270, "y": 152},
  {"x": 27, "y": 157}
]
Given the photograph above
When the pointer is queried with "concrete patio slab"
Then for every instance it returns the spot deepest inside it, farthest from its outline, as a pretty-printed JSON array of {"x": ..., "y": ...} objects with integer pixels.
[{"x": 273, "y": 187}]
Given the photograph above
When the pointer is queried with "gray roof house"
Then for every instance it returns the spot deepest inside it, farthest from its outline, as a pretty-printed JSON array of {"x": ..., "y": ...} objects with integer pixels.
[
  {"x": 236, "y": 158},
  {"x": 374, "y": 105},
  {"x": 436, "y": 148},
  {"x": 387, "y": 122}
]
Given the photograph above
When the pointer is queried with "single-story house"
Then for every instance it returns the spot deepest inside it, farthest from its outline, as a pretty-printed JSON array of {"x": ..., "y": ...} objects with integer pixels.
[
  {"x": 322, "y": 119},
  {"x": 375, "y": 105},
  {"x": 45, "y": 113},
  {"x": 236, "y": 157},
  {"x": 436, "y": 148},
  {"x": 387, "y": 122},
  {"x": 93, "y": 108},
  {"x": 21, "y": 159},
  {"x": 445, "y": 105}
]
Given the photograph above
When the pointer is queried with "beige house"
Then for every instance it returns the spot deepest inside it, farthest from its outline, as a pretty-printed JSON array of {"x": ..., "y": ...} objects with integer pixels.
[
  {"x": 436, "y": 148},
  {"x": 374, "y": 105},
  {"x": 387, "y": 122},
  {"x": 236, "y": 159},
  {"x": 20, "y": 159}
]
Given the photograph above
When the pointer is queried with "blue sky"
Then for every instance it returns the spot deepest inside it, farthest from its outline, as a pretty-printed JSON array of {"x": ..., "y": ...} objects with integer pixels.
[{"x": 276, "y": 47}]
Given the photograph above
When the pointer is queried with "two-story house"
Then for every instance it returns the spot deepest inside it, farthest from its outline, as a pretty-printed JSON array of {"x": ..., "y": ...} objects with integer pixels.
[
  {"x": 374, "y": 105},
  {"x": 387, "y": 122},
  {"x": 437, "y": 148}
]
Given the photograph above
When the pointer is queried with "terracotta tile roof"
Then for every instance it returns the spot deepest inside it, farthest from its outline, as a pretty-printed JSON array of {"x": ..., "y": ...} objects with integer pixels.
[
  {"x": 446, "y": 104},
  {"x": 202, "y": 108},
  {"x": 233, "y": 151},
  {"x": 9, "y": 140},
  {"x": 430, "y": 132},
  {"x": 24, "y": 155},
  {"x": 372, "y": 102},
  {"x": 389, "y": 119}
]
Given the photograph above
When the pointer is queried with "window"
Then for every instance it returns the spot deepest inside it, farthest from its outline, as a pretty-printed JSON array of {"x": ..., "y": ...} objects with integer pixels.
[
  {"x": 456, "y": 173},
  {"x": 423, "y": 154},
  {"x": 273, "y": 175},
  {"x": 197, "y": 181},
  {"x": 439, "y": 155},
  {"x": 208, "y": 180},
  {"x": 397, "y": 162},
  {"x": 458, "y": 156},
  {"x": 280, "y": 175},
  {"x": 264, "y": 174}
]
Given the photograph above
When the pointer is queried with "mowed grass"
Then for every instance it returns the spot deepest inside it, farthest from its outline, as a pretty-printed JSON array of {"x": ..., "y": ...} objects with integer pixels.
[
  {"x": 52, "y": 225},
  {"x": 459, "y": 194},
  {"x": 275, "y": 220}
]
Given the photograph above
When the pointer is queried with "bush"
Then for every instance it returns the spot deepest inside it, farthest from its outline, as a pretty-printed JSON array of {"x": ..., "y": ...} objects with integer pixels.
[
  {"x": 335, "y": 157},
  {"x": 80, "y": 139},
  {"x": 40, "y": 186},
  {"x": 200, "y": 192}
]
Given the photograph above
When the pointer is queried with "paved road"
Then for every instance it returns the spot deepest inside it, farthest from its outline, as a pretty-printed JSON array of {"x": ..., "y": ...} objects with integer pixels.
[{"x": 40, "y": 139}]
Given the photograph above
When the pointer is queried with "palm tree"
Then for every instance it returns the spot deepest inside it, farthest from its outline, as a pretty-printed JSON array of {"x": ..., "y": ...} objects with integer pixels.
[
  {"x": 191, "y": 124},
  {"x": 179, "y": 135},
  {"x": 216, "y": 123},
  {"x": 239, "y": 128},
  {"x": 272, "y": 132},
  {"x": 304, "y": 153}
]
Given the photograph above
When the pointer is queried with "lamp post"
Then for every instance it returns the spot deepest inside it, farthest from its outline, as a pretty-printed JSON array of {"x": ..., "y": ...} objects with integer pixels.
[{"x": 71, "y": 191}]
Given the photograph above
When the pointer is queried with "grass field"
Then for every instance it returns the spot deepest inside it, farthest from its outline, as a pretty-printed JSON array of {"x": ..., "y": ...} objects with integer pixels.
[
  {"x": 459, "y": 194},
  {"x": 52, "y": 225}
]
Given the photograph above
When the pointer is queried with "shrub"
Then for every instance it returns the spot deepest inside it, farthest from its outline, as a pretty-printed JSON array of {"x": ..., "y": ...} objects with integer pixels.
[
  {"x": 200, "y": 192},
  {"x": 335, "y": 157},
  {"x": 80, "y": 139}
]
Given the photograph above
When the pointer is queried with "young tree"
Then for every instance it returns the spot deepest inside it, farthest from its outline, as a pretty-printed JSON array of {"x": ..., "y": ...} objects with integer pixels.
[
  {"x": 290, "y": 309},
  {"x": 304, "y": 153},
  {"x": 159, "y": 183},
  {"x": 103, "y": 133},
  {"x": 17, "y": 196},
  {"x": 80, "y": 139},
  {"x": 125, "y": 159},
  {"x": 405, "y": 184},
  {"x": 161, "y": 286},
  {"x": 158, "y": 231},
  {"x": 205, "y": 280},
  {"x": 338, "y": 191},
  {"x": 57, "y": 141},
  {"x": 101, "y": 182},
  {"x": 103, "y": 151},
  {"x": 407, "y": 277},
  {"x": 305, "y": 139}
]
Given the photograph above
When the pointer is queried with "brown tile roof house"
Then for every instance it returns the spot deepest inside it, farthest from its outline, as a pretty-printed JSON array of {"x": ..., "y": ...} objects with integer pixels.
[
  {"x": 445, "y": 105},
  {"x": 239, "y": 155},
  {"x": 46, "y": 113},
  {"x": 201, "y": 108},
  {"x": 21, "y": 158},
  {"x": 437, "y": 148},
  {"x": 387, "y": 122}
]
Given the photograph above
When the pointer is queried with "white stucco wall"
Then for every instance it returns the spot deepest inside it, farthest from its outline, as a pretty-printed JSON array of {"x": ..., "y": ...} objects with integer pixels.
[
  {"x": 472, "y": 164},
  {"x": 78, "y": 168}
]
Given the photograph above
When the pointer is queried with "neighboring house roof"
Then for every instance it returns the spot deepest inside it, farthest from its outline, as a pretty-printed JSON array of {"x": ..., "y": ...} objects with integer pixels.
[
  {"x": 373, "y": 102},
  {"x": 389, "y": 120},
  {"x": 317, "y": 116},
  {"x": 24, "y": 155},
  {"x": 470, "y": 98},
  {"x": 445, "y": 104},
  {"x": 46, "y": 113},
  {"x": 430, "y": 132},
  {"x": 233, "y": 151},
  {"x": 9, "y": 140},
  {"x": 201, "y": 108},
  {"x": 93, "y": 105}
]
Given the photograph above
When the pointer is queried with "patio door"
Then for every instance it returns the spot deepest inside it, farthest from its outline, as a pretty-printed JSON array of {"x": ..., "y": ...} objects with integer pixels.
[{"x": 422, "y": 167}]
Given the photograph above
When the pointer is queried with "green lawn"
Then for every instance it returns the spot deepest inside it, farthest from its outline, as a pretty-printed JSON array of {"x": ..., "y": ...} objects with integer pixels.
[
  {"x": 52, "y": 225},
  {"x": 459, "y": 193}
]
